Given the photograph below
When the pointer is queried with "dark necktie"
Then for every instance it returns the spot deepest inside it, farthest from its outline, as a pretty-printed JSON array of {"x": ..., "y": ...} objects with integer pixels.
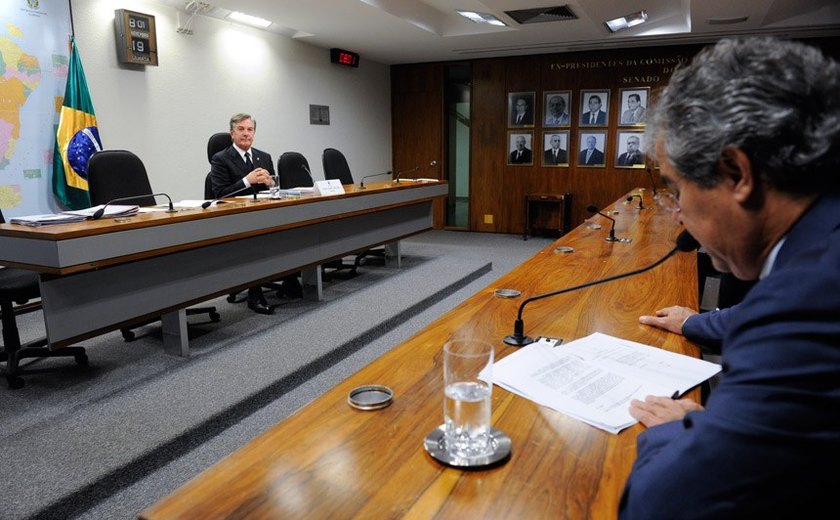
[{"x": 248, "y": 164}]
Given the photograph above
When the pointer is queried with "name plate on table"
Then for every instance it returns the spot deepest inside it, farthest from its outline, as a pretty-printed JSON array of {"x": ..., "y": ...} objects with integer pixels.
[{"x": 329, "y": 187}]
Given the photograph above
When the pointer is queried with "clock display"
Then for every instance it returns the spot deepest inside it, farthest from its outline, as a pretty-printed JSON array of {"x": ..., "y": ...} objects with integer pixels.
[
  {"x": 342, "y": 57},
  {"x": 135, "y": 37}
]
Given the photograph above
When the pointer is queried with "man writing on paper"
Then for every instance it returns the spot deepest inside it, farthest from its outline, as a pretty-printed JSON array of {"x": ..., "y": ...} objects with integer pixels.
[
  {"x": 748, "y": 141},
  {"x": 237, "y": 167}
]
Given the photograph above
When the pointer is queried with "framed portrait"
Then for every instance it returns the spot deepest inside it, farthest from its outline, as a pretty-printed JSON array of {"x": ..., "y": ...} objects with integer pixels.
[
  {"x": 521, "y": 106},
  {"x": 557, "y": 108},
  {"x": 592, "y": 146},
  {"x": 633, "y": 108},
  {"x": 629, "y": 150},
  {"x": 594, "y": 107},
  {"x": 520, "y": 148},
  {"x": 555, "y": 148}
]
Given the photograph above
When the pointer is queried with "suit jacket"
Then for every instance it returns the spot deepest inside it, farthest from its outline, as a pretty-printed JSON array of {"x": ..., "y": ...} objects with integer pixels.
[
  {"x": 771, "y": 427},
  {"x": 562, "y": 120},
  {"x": 227, "y": 170},
  {"x": 525, "y": 158},
  {"x": 600, "y": 119},
  {"x": 562, "y": 157},
  {"x": 633, "y": 116},
  {"x": 527, "y": 117},
  {"x": 626, "y": 160},
  {"x": 597, "y": 157},
  {"x": 708, "y": 328}
]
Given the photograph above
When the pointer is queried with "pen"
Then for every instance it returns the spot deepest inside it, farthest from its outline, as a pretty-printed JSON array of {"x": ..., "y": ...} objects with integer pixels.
[{"x": 676, "y": 394}]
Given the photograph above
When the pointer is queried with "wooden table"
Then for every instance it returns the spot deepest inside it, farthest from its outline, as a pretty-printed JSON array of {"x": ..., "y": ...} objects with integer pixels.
[
  {"x": 331, "y": 461},
  {"x": 99, "y": 275}
]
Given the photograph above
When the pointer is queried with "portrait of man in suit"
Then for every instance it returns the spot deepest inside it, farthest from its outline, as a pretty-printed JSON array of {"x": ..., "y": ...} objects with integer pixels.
[
  {"x": 521, "y": 109},
  {"x": 634, "y": 101},
  {"x": 555, "y": 149},
  {"x": 592, "y": 153},
  {"x": 595, "y": 105},
  {"x": 557, "y": 108},
  {"x": 632, "y": 156},
  {"x": 520, "y": 150}
]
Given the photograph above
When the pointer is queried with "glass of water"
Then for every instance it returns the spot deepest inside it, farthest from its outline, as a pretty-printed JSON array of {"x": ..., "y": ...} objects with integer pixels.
[{"x": 466, "y": 403}]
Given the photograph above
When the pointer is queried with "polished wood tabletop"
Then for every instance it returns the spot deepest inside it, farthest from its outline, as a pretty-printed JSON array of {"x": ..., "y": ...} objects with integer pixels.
[{"x": 329, "y": 460}]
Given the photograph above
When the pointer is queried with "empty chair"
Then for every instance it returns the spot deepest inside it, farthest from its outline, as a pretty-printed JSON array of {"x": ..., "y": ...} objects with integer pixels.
[
  {"x": 18, "y": 286},
  {"x": 293, "y": 171},
  {"x": 120, "y": 173},
  {"x": 336, "y": 167}
]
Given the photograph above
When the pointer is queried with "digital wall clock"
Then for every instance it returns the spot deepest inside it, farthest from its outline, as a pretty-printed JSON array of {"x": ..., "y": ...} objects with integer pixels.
[
  {"x": 342, "y": 57},
  {"x": 136, "y": 40}
]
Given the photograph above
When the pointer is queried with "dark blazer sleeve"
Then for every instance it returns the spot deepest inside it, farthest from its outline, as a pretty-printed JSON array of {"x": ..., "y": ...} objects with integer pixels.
[{"x": 708, "y": 328}]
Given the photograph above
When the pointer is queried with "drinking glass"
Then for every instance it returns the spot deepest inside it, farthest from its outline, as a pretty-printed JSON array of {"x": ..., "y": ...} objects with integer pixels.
[{"x": 466, "y": 403}]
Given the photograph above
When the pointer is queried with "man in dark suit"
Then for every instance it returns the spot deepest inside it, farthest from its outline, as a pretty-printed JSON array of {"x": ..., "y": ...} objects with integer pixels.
[
  {"x": 590, "y": 155},
  {"x": 523, "y": 113},
  {"x": 521, "y": 154},
  {"x": 633, "y": 155},
  {"x": 764, "y": 206},
  {"x": 240, "y": 166},
  {"x": 555, "y": 154},
  {"x": 595, "y": 116}
]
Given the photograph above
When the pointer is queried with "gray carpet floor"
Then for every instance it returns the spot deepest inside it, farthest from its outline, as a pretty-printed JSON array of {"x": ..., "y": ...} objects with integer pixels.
[{"x": 108, "y": 440}]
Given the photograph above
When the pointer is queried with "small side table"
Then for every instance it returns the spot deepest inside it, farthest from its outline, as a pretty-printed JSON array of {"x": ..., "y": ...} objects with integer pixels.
[{"x": 563, "y": 203}]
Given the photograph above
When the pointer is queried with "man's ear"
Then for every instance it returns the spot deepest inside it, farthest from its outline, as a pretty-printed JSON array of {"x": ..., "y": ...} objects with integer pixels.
[{"x": 735, "y": 167}]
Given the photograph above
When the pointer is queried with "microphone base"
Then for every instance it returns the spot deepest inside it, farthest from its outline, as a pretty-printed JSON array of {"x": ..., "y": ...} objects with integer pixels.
[
  {"x": 172, "y": 211},
  {"x": 612, "y": 239},
  {"x": 518, "y": 340},
  {"x": 362, "y": 187}
]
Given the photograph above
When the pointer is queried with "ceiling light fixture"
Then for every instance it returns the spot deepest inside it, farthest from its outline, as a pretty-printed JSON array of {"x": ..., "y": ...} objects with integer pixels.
[
  {"x": 255, "y": 21},
  {"x": 486, "y": 18},
  {"x": 626, "y": 22}
]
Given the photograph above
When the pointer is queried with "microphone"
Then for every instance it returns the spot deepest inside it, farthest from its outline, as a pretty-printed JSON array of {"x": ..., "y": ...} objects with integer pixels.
[
  {"x": 397, "y": 179},
  {"x": 207, "y": 203},
  {"x": 630, "y": 199},
  {"x": 362, "y": 182},
  {"x": 684, "y": 243},
  {"x": 101, "y": 211},
  {"x": 594, "y": 209},
  {"x": 652, "y": 182}
]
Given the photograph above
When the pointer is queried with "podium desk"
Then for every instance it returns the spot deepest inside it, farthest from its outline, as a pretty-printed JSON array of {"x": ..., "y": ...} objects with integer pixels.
[
  {"x": 98, "y": 275},
  {"x": 329, "y": 460}
]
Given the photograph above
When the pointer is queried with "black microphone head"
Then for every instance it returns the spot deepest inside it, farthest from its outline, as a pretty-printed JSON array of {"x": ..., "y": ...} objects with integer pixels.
[
  {"x": 592, "y": 208},
  {"x": 687, "y": 243},
  {"x": 98, "y": 213},
  {"x": 630, "y": 198}
]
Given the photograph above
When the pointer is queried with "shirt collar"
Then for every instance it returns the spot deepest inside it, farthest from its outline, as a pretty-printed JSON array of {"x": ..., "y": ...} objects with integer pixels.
[
  {"x": 771, "y": 259},
  {"x": 240, "y": 151}
]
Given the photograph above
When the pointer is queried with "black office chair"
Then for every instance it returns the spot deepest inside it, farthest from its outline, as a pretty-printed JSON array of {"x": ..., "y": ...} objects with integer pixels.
[
  {"x": 336, "y": 167},
  {"x": 292, "y": 170},
  {"x": 120, "y": 173},
  {"x": 17, "y": 287}
]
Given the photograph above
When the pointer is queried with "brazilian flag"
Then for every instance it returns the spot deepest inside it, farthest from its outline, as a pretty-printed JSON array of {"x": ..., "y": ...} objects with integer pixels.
[{"x": 76, "y": 138}]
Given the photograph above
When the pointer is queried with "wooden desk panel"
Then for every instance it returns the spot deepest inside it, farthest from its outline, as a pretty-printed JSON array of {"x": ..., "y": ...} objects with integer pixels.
[{"x": 331, "y": 461}]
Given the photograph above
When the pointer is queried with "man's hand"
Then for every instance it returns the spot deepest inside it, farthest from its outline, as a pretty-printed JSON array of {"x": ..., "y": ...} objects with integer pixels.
[
  {"x": 657, "y": 410},
  {"x": 669, "y": 318},
  {"x": 259, "y": 176}
]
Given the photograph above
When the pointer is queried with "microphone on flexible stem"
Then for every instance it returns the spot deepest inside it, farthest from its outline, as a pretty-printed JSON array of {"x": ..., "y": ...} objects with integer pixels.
[
  {"x": 362, "y": 182},
  {"x": 397, "y": 179},
  {"x": 594, "y": 209},
  {"x": 101, "y": 211},
  {"x": 652, "y": 182},
  {"x": 684, "y": 243},
  {"x": 207, "y": 203},
  {"x": 631, "y": 197}
]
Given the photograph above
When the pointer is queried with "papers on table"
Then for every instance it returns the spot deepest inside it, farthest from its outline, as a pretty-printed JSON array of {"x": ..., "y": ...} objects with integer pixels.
[
  {"x": 594, "y": 378},
  {"x": 79, "y": 215},
  {"x": 420, "y": 179}
]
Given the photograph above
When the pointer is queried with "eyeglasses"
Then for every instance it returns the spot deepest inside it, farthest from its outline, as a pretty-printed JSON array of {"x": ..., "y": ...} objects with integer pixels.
[{"x": 668, "y": 200}]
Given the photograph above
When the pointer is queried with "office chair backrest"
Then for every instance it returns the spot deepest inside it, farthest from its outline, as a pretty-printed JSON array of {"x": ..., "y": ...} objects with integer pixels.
[
  {"x": 290, "y": 170},
  {"x": 217, "y": 142},
  {"x": 118, "y": 173},
  {"x": 335, "y": 166},
  {"x": 2, "y": 220}
]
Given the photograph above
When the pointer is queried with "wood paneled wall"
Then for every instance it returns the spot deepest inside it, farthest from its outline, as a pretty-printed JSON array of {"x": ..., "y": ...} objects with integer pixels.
[{"x": 499, "y": 189}]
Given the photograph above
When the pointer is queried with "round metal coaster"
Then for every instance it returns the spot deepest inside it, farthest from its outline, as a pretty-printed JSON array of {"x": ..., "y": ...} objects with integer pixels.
[
  {"x": 436, "y": 447},
  {"x": 370, "y": 397},
  {"x": 564, "y": 249},
  {"x": 508, "y": 293}
]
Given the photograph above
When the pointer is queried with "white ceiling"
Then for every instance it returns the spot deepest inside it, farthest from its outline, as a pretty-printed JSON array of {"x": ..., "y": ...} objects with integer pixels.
[{"x": 412, "y": 31}]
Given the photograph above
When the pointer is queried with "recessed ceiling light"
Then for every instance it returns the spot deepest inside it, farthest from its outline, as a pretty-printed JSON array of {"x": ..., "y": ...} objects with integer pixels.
[
  {"x": 236, "y": 16},
  {"x": 625, "y": 22},
  {"x": 476, "y": 17}
]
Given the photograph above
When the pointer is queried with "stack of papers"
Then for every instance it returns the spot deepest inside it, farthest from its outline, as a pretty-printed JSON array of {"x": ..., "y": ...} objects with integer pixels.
[
  {"x": 593, "y": 379},
  {"x": 46, "y": 220},
  {"x": 112, "y": 210}
]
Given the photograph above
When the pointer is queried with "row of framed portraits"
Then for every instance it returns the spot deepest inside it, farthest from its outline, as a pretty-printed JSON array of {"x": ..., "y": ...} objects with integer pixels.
[
  {"x": 589, "y": 152},
  {"x": 595, "y": 108}
]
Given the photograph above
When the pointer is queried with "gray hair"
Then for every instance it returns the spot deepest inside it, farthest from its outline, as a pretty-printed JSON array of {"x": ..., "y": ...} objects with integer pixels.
[
  {"x": 778, "y": 101},
  {"x": 236, "y": 118}
]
